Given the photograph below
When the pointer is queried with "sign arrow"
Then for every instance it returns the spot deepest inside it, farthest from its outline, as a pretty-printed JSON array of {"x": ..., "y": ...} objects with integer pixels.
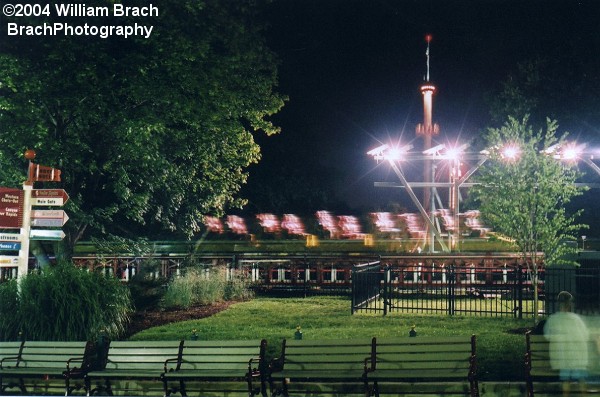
[
  {"x": 48, "y": 218},
  {"x": 9, "y": 261},
  {"x": 51, "y": 197},
  {"x": 4, "y": 246}
]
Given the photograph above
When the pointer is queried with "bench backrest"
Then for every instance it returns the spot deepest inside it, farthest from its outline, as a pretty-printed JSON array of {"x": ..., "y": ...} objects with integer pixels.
[
  {"x": 54, "y": 354},
  {"x": 9, "y": 350},
  {"x": 326, "y": 354},
  {"x": 538, "y": 356},
  {"x": 537, "y": 359},
  {"x": 142, "y": 355},
  {"x": 230, "y": 355},
  {"x": 427, "y": 357}
]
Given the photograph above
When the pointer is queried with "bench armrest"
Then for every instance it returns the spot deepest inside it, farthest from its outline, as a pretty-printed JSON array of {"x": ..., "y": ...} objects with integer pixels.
[
  {"x": 72, "y": 360},
  {"x": 171, "y": 360},
  {"x": 256, "y": 360},
  {"x": 14, "y": 358},
  {"x": 276, "y": 364},
  {"x": 369, "y": 364}
]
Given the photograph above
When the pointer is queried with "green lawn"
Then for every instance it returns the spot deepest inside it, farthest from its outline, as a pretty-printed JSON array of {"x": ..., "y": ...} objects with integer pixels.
[{"x": 500, "y": 349}]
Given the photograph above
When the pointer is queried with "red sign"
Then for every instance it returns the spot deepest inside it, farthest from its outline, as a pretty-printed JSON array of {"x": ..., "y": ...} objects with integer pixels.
[
  {"x": 42, "y": 173},
  {"x": 50, "y": 194},
  {"x": 11, "y": 208}
]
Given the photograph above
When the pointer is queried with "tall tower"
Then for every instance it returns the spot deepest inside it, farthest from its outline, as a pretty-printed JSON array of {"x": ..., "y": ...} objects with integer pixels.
[{"x": 427, "y": 130}]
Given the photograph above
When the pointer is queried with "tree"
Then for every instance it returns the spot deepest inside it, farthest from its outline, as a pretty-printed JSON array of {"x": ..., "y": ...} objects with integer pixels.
[
  {"x": 523, "y": 190},
  {"x": 150, "y": 133}
]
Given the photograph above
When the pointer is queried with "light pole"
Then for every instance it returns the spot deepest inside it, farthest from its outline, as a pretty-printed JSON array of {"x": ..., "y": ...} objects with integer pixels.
[{"x": 583, "y": 238}]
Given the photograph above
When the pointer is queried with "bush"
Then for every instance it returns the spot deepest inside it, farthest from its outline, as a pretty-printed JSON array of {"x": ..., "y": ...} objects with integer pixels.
[
  {"x": 64, "y": 303},
  {"x": 201, "y": 287}
]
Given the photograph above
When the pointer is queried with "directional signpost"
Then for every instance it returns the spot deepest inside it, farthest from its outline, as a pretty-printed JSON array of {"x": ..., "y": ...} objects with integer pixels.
[
  {"x": 16, "y": 213},
  {"x": 11, "y": 208},
  {"x": 9, "y": 261},
  {"x": 10, "y": 246},
  {"x": 41, "y": 234},
  {"x": 49, "y": 197},
  {"x": 10, "y": 237},
  {"x": 48, "y": 218}
]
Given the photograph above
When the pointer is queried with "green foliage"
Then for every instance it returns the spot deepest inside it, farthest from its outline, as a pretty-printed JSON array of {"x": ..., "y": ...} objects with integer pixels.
[
  {"x": 540, "y": 85},
  {"x": 150, "y": 133},
  {"x": 9, "y": 305},
  {"x": 199, "y": 286},
  {"x": 64, "y": 303},
  {"x": 500, "y": 341},
  {"x": 524, "y": 198}
]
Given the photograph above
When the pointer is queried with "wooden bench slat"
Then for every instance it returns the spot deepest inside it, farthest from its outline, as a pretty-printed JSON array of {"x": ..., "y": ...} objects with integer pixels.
[
  {"x": 239, "y": 360},
  {"x": 424, "y": 359},
  {"x": 44, "y": 360},
  {"x": 327, "y": 360},
  {"x": 135, "y": 360}
]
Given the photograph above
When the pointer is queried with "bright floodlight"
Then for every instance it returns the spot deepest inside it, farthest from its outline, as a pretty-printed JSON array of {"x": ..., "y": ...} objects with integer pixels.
[
  {"x": 378, "y": 150},
  {"x": 434, "y": 150},
  {"x": 510, "y": 152},
  {"x": 571, "y": 152},
  {"x": 454, "y": 153},
  {"x": 397, "y": 153}
]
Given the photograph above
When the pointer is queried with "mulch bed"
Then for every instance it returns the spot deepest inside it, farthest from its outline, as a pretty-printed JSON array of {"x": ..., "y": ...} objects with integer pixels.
[{"x": 152, "y": 318}]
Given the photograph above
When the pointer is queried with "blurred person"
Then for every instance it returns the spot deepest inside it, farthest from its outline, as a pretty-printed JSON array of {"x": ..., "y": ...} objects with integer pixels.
[{"x": 569, "y": 337}]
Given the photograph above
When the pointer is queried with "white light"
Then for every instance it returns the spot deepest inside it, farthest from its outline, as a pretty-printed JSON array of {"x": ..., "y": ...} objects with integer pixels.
[
  {"x": 435, "y": 149},
  {"x": 397, "y": 153},
  {"x": 510, "y": 152},
  {"x": 571, "y": 152},
  {"x": 378, "y": 150},
  {"x": 455, "y": 152}
]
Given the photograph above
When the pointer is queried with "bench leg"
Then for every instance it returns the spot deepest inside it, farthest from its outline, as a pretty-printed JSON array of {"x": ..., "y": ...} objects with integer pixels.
[
  {"x": 375, "y": 391},
  {"x": 108, "y": 388}
]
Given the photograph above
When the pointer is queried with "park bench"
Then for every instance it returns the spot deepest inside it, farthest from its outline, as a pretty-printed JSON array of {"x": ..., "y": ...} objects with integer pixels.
[
  {"x": 219, "y": 361},
  {"x": 539, "y": 372},
  {"x": 337, "y": 363},
  {"x": 424, "y": 365},
  {"x": 44, "y": 360},
  {"x": 134, "y": 360}
]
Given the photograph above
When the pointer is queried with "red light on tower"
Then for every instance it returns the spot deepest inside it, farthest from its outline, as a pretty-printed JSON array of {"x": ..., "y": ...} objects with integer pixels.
[{"x": 428, "y": 38}]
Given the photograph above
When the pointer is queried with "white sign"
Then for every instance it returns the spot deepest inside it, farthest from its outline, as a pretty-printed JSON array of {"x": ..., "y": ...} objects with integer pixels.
[
  {"x": 53, "y": 202},
  {"x": 50, "y": 218},
  {"x": 9, "y": 261},
  {"x": 35, "y": 234},
  {"x": 10, "y": 237},
  {"x": 39, "y": 214}
]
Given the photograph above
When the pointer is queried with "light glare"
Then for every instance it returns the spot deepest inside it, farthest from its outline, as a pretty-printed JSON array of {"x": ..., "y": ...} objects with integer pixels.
[{"x": 510, "y": 152}]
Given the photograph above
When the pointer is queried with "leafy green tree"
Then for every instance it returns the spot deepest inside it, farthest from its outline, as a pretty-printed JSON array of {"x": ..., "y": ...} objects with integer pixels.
[
  {"x": 150, "y": 133},
  {"x": 523, "y": 190},
  {"x": 538, "y": 87}
]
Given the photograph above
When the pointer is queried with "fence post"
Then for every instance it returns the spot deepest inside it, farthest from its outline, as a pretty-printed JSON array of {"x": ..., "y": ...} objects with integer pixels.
[
  {"x": 519, "y": 308},
  {"x": 353, "y": 287},
  {"x": 386, "y": 287},
  {"x": 451, "y": 289},
  {"x": 306, "y": 272}
]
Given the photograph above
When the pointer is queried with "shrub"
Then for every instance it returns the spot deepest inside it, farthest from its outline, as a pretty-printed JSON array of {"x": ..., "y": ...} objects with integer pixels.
[
  {"x": 65, "y": 303},
  {"x": 201, "y": 287}
]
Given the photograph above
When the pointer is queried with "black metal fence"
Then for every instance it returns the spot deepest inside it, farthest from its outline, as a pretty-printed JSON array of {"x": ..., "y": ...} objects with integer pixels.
[
  {"x": 471, "y": 290},
  {"x": 452, "y": 290}
]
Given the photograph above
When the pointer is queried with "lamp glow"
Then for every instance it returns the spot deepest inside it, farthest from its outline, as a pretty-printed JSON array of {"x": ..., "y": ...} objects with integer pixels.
[
  {"x": 571, "y": 152},
  {"x": 510, "y": 152}
]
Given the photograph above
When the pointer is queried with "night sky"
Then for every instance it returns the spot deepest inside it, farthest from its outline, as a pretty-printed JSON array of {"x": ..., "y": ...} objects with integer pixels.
[{"x": 352, "y": 71}]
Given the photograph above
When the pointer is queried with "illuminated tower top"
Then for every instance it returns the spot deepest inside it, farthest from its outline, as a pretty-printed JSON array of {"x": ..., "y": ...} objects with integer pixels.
[{"x": 428, "y": 128}]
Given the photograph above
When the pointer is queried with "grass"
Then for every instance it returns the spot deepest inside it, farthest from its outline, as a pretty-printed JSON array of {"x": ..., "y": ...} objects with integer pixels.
[{"x": 500, "y": 349}]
